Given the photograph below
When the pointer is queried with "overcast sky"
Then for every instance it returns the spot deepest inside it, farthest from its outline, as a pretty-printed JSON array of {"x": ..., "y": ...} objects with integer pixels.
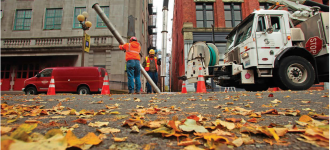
[{"x": 159, "y": 5}]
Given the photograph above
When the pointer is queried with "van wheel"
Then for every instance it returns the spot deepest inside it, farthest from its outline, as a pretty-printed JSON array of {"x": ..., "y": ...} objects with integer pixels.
[
  {"x": 31, "y": 91},
  {"x": 83, "y": 90},
  {"x": 296, "y": 73}
]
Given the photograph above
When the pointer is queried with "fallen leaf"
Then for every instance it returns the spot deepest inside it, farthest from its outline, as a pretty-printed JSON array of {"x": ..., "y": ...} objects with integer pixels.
[
  {"x": 116, "y": 139},
  {"x": 233, "y": 119},
  {"x": 253, "y": 120},
  {"x": 82, "y": 121},
  {"x": 108, "y": 130},
  {"x": 190, "y": 125},
  {"x": 98, "y": 124},
  {"x": 91, "y": 139}
]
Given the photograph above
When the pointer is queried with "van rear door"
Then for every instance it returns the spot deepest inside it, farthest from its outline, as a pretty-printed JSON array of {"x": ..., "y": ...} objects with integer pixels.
[{"x": 102, "y": 72}]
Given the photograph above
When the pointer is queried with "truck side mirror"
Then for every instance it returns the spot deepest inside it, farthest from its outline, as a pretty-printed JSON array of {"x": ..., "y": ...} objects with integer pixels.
[
  {"x": 269, "y": 29},
  {"x": 38, "y": 75}
]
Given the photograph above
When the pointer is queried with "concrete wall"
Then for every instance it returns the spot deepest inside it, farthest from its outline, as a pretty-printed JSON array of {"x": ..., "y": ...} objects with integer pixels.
[{"x": 104, "y": 47}]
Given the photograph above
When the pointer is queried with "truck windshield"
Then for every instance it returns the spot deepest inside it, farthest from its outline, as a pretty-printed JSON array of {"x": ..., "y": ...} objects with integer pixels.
[
  {"x": 242, "y": 32},
  {"x": 230, "y": 42}
]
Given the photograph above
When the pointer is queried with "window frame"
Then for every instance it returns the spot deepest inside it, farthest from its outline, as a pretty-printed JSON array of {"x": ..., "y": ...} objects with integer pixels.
[
  {"x": 98, "y": 18},
  {"x": 15, "y": 28},
  {"x": 266, "y": 5},
  {"x": 232, "y": 13},
  {"x": 75, "y": 20},
  {"x": 54, "y": 17},
  {"x": 1, "y": 14},
  {"x": 204, "y": 10}
]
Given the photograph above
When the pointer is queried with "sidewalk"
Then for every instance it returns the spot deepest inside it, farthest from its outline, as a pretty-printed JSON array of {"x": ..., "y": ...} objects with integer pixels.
[{"x": 11, "y": 92}]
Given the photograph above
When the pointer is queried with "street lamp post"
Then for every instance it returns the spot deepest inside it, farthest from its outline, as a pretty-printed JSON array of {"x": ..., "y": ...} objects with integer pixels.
[{"x": 85, "y": 25}]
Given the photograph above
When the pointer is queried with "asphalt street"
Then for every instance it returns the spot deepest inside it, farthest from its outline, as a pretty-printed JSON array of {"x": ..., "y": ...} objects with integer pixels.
[{"x": 191, "y": 103}]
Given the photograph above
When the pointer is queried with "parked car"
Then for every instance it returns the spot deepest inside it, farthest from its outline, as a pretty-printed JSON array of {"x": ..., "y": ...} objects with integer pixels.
[{"x": 82, "y": 80}]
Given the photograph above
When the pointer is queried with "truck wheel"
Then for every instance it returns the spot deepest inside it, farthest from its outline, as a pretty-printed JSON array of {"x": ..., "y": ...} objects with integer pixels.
[
  {"x": 296, "y": 73},
  {"x": 83, "y": 90},
  {"x": 256, "y": 88},
  {"x": 31, "y": 91}
]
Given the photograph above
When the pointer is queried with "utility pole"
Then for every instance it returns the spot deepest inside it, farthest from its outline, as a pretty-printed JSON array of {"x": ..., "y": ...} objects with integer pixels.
[{"x": 212, "y": 82}]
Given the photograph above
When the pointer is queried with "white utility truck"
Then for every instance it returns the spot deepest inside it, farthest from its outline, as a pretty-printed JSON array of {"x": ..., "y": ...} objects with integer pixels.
[{"x": 267, "y": 50}]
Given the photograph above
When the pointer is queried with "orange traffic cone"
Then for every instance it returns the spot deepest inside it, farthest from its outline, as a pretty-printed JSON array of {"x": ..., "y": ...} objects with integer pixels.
[
  {"x": 184, "y": 89},
  {"x": 201, "y": 83},
  {"x": 105, "y": 87},
  {"x": 51, "y": 88},
  {"x": 141, "y": 90}
]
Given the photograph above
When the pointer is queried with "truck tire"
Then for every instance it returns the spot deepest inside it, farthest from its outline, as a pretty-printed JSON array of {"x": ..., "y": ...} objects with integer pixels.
[
  {"x": 31, "y": 91},
  {"x": 296, "y": 73},
  {"x": 83, "y": 90}
]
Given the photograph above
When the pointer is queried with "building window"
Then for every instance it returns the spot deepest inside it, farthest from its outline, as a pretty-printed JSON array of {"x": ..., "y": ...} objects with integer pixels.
[
  {"x": 233, "y": 15},
  {"x": 265, "y": 6},
  {"x": 23, "y": 19},
  {"x": 142, "y": 27},
  {"x": 100, "y": 22},
  {"x": 204, "y": 15},
  {"x": 0, "y": 15},
  {"x": 77, "y": 11},
  {"x": 53, "y": 18}
]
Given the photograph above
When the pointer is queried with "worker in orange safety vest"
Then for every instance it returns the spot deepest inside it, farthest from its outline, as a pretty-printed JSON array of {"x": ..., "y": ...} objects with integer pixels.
[
  {"x": 132, "y": 57},
  {"x": 150, "y": 64}
]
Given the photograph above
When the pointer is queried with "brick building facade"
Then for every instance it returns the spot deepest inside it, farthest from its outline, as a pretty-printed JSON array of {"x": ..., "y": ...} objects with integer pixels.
[{"x": 192, "y": 20}]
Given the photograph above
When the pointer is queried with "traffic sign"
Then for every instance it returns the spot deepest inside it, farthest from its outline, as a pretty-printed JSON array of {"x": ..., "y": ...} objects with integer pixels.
[
  {"x": 314, "y": 45},
  {"x": 87, "y": 43}
]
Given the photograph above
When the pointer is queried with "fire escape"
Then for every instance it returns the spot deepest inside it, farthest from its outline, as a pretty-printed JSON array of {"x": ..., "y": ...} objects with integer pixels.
[{"x": 152, "y": 30}]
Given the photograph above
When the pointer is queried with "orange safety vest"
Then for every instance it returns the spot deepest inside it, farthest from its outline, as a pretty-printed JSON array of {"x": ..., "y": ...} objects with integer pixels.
[
  {"x": 148, "y": 63},
  {"x": 132, "y": 50}
]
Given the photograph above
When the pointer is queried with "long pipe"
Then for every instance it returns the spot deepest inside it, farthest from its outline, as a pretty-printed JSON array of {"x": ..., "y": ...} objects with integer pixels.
[
  {"x": 121, "y": 41},
  {"x": 164, "y": 43}
]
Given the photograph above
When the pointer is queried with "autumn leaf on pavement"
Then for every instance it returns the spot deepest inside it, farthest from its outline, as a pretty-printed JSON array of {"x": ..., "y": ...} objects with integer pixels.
[
  {"x": 22, "y": 131},
  {"x": 305, "y": 118},
  {"x": 228, "y": 125},
  {"x": 253, "y": 120},
  {"x": 192, "y": 147},
  {"x": 270, "y": 95},
  {"x": 73, "y": 140},
  {"x": 135, "y": 129},
  {"x": 188, "y": 141},
  {"x": 193, "y": 117},
  {"x": 5, "y": 129},
  {"x": 276, "y": 101},
  {"x": 131, "y": 122},
  {"x": 108, "y": 130},
  {"x": 82, "y": 121},
  {"x": 98, "y": 124},
  {"x": 190, "y": 125},
  {"x": 223, "y": 133},
  {"x": 233, "y": 120},
  {"x": 155, "y": 124},
  {"x": 271, "y": 111},
  {"x": 91, "y": 139},
  {"x": 320, "y": 117},
  {"x": 247, "y": 139},
  {"x": 117, "y": 139}
]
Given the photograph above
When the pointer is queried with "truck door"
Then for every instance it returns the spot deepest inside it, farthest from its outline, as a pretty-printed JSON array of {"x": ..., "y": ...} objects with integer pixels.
[{"x": 268, "y": 44}]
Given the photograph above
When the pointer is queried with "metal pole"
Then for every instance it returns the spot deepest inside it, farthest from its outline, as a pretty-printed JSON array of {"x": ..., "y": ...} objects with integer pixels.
[
  {"x": 121, "y": 41},
  {"x": 212, "y": 82},
  {"x": 83, "y": 50},
  {"x": 164, "y": 43}
]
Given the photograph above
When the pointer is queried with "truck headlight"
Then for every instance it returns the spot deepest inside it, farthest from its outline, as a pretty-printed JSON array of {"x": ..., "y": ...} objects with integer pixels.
[{"x": 245, "y": 55}]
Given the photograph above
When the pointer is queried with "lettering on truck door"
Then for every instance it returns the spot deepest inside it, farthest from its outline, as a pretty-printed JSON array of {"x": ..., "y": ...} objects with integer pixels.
[{"x": 268, "y": 44}]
